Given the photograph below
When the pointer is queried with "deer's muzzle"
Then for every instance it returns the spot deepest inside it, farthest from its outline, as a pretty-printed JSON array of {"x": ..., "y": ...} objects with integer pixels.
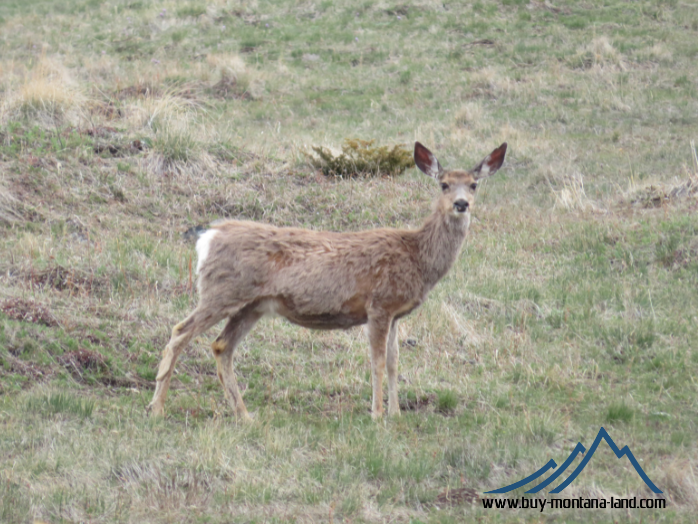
[{"x": 461, "y": 205}]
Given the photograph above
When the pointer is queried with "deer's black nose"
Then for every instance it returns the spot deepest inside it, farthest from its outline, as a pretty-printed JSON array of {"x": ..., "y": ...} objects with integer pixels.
[{"x": 461, "y": 205}]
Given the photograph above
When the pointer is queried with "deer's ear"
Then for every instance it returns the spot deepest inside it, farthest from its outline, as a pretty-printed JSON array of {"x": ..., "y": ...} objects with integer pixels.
[
  {"x": 491, "y": 163},
  {"x": 426, "y": 161}
]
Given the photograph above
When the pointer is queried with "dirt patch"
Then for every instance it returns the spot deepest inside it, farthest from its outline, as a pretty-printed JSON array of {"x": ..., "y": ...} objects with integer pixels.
[
  {"x": 420, "y": 403},
  {"x": 100, "y": 131},
  {"x": 137, "y": 91},
  {"x": 657, "y": 196},
  {"x": 28, "y": 311},
  {"x": 685, "y": 255},
  {"x": 457, "y": 497},
  {"x": 229, "y": 88},
  {"x": 106, "y": 109},
  {"x": 11, "y": 364},
  {"x": 126, "y": 382},
  {"x": 484, "y": 41},
  {"x": 399, "y": 10},
  {"x": 63, "y": 279},
  {"x": 82, "y": 360},
  {"x": 130, "y": 148},
  {"x": 189, "y": 91}
]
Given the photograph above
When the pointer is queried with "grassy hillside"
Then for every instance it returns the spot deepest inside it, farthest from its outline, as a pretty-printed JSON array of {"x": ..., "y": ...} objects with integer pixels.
[{"x": 574, "y": 304}]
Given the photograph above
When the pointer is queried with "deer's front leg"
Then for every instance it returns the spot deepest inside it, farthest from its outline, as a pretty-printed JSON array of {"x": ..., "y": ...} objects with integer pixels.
[
  {"x": 378, "y": 329},
  {"x": 393, "y": 357}
]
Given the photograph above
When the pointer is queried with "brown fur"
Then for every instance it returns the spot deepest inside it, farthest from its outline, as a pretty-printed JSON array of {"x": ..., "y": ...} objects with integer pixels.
[{"x": 324, "y": 280}]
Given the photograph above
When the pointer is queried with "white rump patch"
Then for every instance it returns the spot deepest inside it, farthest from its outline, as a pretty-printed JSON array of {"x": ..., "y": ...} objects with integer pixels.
[{"x": 202, "y": 247}]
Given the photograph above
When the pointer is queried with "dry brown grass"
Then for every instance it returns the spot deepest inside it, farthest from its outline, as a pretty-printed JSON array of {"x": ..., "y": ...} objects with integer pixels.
[{"x": 47, "y": 92}]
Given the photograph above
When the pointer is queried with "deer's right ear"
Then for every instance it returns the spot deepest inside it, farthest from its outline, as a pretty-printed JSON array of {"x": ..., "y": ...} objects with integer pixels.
[{"x": 426, "y": 161}]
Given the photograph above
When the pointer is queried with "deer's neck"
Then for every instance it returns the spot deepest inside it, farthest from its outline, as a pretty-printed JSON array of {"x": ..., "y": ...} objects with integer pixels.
[{"x": 440, "y": 240}]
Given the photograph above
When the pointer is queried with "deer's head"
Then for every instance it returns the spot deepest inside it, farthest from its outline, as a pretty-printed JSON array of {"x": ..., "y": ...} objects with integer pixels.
[{"x": 458, "y": 187}]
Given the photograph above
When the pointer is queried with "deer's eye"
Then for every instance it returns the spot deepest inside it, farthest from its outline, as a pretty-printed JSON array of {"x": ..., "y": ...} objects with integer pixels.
[
  {"x": 444, "y": 187},
  {"x": 473, "y": 186}
]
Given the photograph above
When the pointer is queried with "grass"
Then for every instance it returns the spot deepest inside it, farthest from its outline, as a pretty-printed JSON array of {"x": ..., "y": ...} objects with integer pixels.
[
  {"x": 124, "y": 125},
  {"x": 61, "y": 403},
  {"x": 619, "y": 413}
]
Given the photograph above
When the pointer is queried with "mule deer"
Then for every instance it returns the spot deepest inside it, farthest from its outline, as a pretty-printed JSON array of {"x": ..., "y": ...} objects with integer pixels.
[{"x": 324, "y": 280}]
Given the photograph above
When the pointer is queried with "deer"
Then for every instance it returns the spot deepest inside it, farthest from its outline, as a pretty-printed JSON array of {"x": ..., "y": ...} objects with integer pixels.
[{"x": 325, "y": 280}]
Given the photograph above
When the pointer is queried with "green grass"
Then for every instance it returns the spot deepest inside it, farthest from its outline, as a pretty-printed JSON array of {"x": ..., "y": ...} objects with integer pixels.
[
  {"x": 61, "y": 403},
  {"x": 446, "y": 401},
  {"x": 572, "y": 306},
  {"x": 619, "y": 413}
]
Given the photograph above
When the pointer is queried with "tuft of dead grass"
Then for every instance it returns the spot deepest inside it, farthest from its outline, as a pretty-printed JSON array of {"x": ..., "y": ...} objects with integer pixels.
[
  {"x": 567, "y": 187},
  {"x": 11, "y": 209},
  {"x": 469, "y": 115},
  {"x": 48, "y": 94},
  {"x": 600, "y": 53},
  {"x": 679, "y": 481},
  {"x": 230, "y": 77}
]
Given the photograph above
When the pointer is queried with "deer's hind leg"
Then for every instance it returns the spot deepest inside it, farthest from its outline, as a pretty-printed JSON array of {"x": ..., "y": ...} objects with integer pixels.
[
  {"x": 223, "y": 348},
  {"x": 195, "y": 324}
]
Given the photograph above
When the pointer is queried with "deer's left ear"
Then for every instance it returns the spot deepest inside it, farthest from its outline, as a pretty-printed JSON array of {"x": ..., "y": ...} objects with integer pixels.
[
  {"x": 426, "y": 161},
  {"x": 491, "y": 163}
]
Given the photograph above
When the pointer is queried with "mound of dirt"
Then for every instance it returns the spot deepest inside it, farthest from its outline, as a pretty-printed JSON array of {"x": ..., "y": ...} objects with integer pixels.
[{"x": 28, "y": 311}]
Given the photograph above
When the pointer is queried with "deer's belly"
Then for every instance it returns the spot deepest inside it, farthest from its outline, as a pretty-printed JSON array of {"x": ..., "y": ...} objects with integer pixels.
[
  {"x": 338, "y": 320},
  {"x": 326, "y": 321}
]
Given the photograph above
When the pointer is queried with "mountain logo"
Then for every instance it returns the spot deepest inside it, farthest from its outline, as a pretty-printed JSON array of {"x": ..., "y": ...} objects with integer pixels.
[{"x": 579, "y": 448}]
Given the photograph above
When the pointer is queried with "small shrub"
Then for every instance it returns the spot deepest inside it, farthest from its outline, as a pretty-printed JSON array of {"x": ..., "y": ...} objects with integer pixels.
[
  {"x": 446, "y": 401},
  {"x": 193, "y": 11},
  {"x": 178, "y": 36},
  {"x": 176, "y": 145},
  {"x": 360, "y": 158},
  {"x": 666, "y": 250},
  {"x": 148, "y": 372},
  {"x": 619, "y": 413}
]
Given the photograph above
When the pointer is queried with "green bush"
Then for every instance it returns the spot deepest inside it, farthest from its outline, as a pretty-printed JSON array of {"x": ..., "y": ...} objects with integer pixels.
[{"x": 360, "y": 158}]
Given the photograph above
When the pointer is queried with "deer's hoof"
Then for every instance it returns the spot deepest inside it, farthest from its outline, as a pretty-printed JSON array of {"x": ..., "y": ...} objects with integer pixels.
[{"x": 155, "y": 410}]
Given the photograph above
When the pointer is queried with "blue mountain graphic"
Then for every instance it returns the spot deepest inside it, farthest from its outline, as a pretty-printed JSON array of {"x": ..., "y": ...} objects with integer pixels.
[
  {"x": 579, "y": 448},
  {"x": 511, "y": 487},
  {"x": 576, "y": 451}
]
